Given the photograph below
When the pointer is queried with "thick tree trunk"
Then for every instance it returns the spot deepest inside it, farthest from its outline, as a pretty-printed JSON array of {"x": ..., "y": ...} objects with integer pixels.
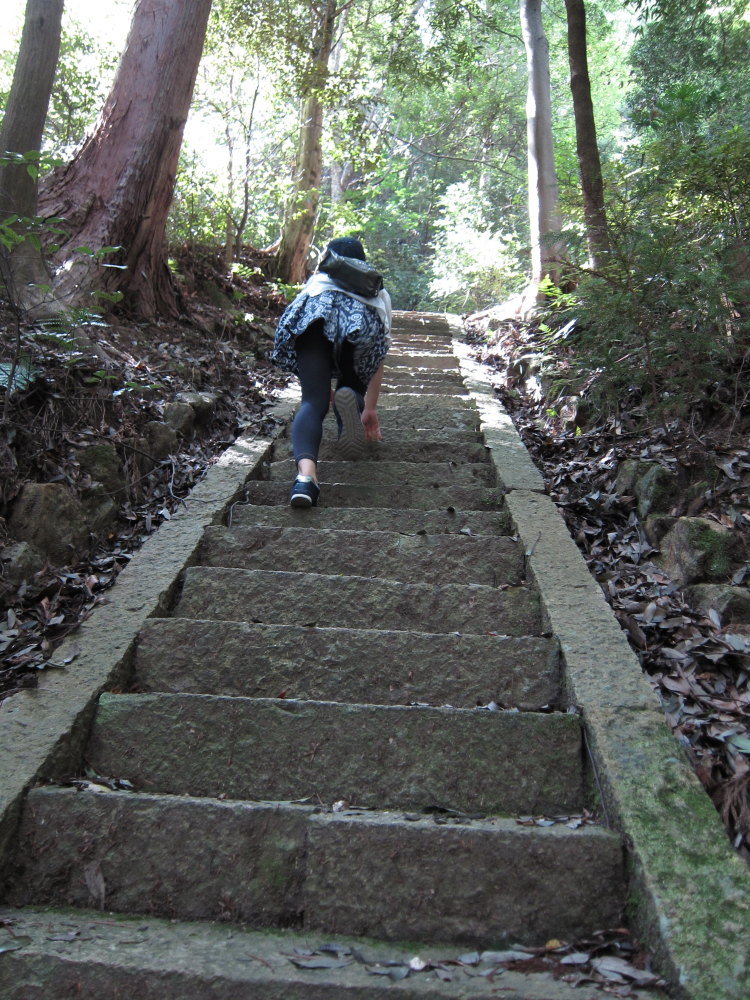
[
  {"x": 302, "y": 208},
  {"x": 544, "y": 218},
  {"x": 589, "y": 164},
  {"x": 118, "y": 188},
  {"x": 21, "y": 132}
]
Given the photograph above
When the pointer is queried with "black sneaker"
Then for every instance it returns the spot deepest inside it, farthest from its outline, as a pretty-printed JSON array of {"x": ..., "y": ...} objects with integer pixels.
[
  {"x": 347, "y": 407},
  {"x": 305, "y": 492}
]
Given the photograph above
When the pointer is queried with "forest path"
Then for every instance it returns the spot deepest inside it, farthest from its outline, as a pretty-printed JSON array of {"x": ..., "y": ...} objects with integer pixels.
[{"x": 332, "y": 736}]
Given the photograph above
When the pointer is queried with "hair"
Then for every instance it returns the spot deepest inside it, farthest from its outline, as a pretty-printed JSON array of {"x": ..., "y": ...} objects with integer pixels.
[{"x": 347, "y": 246}]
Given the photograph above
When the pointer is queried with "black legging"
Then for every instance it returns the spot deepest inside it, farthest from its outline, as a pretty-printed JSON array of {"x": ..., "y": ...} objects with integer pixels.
[{"x": 316, "y": 368}]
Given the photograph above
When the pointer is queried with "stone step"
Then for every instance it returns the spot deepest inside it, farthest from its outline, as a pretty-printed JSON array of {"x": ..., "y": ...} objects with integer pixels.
[
  {"x": 371, "y": 756},
  {"x": 363, "y": 665},
  {"x": 451, "y": 437},
  {"x": 409, "y": 358},
  {"x": 483, "y": 883},
  {"x": 423, "y": 388},
  {"x": 401, "y": 376},
  {"x": 377, "y": 554},
  {"x": 407, "y": 450},
  {"x": 396, "y": 414},
  {"x": 413, "y": 401},
  {"x": 431, "y": 522},
  {"x": 447, "y": 498},
  {"x": 278, "y": 598},
  {"x": 385, "y": 473},
  {"x": 69, "y": 953}
]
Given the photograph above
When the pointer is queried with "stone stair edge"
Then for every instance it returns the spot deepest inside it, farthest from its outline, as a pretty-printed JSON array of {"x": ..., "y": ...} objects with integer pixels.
[
  {"x": 378, "y": 756},
  {"x": 42, "y": 731},
  {"x": 168, "y": 960},
  {"x": 416, "y": 667},
  {"x": 129, "y": 834}
]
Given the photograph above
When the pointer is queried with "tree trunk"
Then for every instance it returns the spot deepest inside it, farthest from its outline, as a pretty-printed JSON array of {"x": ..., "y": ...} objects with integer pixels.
[
  {"x": 21, "y": 132},
  {"x": 302, "y": 208},
  {"x": 118, "y": 188},
  {"x": 544, "y": 218},
  {"x": 589, "y": 164}
]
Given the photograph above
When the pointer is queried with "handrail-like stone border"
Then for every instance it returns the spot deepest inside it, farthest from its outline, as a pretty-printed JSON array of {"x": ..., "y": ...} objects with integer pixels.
[
  {"x": 43, "y": 730},
  {"x": 689, "y": 895}
]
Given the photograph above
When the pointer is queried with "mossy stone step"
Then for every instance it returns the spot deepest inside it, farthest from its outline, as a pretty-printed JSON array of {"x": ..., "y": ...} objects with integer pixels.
[
  {"x": 385, "y": 473},
  {"x": 344, "y": 664},
  {"x": 440, "y": 498},
  {"x": 482, "y": 883},
  {"x": 371, "y": 756},
  {"x": 409, "y": 521},
  {"x": 355, "y": 602},
  {"x": 376, "y": 554},
  {"x": 68, "y": 953}
]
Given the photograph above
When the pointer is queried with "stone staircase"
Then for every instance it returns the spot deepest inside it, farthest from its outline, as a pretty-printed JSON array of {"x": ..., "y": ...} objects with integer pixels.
[{"x": 332, "y": 737}]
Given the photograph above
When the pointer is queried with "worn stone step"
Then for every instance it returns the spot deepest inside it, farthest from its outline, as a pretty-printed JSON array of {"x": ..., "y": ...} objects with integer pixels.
[
  {"x": 385, "y": 473},
  {"x": 411, "y": 357},
  {"x": 406, "y": 450},
  {"x": 455, "y": 391},
  {"x": 395, "y": 414},
  {"x": 356, "y": 665},
  {"x": 451, "y": 437},
  {"x": 404, "y": 376},
  {"x": 432, "y": 522},
  {"x": 407, "y": 398},
  {"x": 371, "y": 756},
  {"x": 356, "y": 602},
  {"x": 481, "y": 883},
  {"x": 447, "y": 498},
  {"x": 75, "y": 953},
  {"x": 377, "y": 554}
]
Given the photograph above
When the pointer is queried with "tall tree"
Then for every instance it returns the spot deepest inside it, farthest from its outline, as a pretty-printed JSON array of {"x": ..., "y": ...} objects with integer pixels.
[
  {"x": 544, "y": 217},
  {"x": 587, "y": 148},
  {"x": 302, "y": 207},
  {"x": 21, "y": 133},
  {"x": 118, "y": 188}
]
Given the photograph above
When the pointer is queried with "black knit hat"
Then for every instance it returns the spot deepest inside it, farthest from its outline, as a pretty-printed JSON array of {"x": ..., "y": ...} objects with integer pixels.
[{"x": 347, "y": 246}]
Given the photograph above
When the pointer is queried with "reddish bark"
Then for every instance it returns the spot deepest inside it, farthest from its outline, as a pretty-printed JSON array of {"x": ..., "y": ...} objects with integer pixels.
[
  {"x": 589, "y": 163},
  {"x": 118, "y": 188}
]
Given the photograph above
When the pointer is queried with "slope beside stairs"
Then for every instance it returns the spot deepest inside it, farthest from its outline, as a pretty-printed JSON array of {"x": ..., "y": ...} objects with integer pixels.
[{"x": 324, "y": 750}]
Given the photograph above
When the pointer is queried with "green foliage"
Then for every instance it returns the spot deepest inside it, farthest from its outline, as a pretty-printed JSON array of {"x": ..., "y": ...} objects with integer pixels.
[
  {"x": 472, "y": 266},
  {"x": 659, "y": 324}
]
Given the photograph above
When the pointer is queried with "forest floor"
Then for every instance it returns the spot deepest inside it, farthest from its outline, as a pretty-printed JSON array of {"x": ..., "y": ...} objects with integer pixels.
[{"x": 700, "y": 667}]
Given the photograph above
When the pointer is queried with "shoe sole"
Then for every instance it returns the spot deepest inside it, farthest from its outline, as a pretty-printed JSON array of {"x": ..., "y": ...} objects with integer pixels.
[
  {"x": 300, "y": 500},
  {"x": 351, "y": 444}
]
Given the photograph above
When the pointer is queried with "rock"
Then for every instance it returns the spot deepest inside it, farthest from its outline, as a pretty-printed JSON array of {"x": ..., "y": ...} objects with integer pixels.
[
  {"x": 202, "y": 403},
  {"x": 161, "y": 440},
  {"x": 656, "y": 526},
  {"x": 627, "y": 473},
  {"x": 180, "y": 417},
  {"x": 102, "y": 463},
  {"x": 20, "y": 561},
  {"x": 654, "y": 486},
  {"x": 731, "y": 603},
  {"x": 50, "y": 518},
  {"x": 697, "y": 549},
  {"x": 99, "y": 508}
]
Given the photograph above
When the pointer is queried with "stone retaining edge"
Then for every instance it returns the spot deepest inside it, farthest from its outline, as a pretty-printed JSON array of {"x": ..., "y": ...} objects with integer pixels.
[
  {"x": 689, "y": 894},
  {"x": 43, "y": 730}
]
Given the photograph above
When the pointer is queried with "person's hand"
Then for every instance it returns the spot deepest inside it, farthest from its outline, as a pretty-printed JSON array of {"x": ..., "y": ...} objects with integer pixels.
[{"x": 371, "y": 425}]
